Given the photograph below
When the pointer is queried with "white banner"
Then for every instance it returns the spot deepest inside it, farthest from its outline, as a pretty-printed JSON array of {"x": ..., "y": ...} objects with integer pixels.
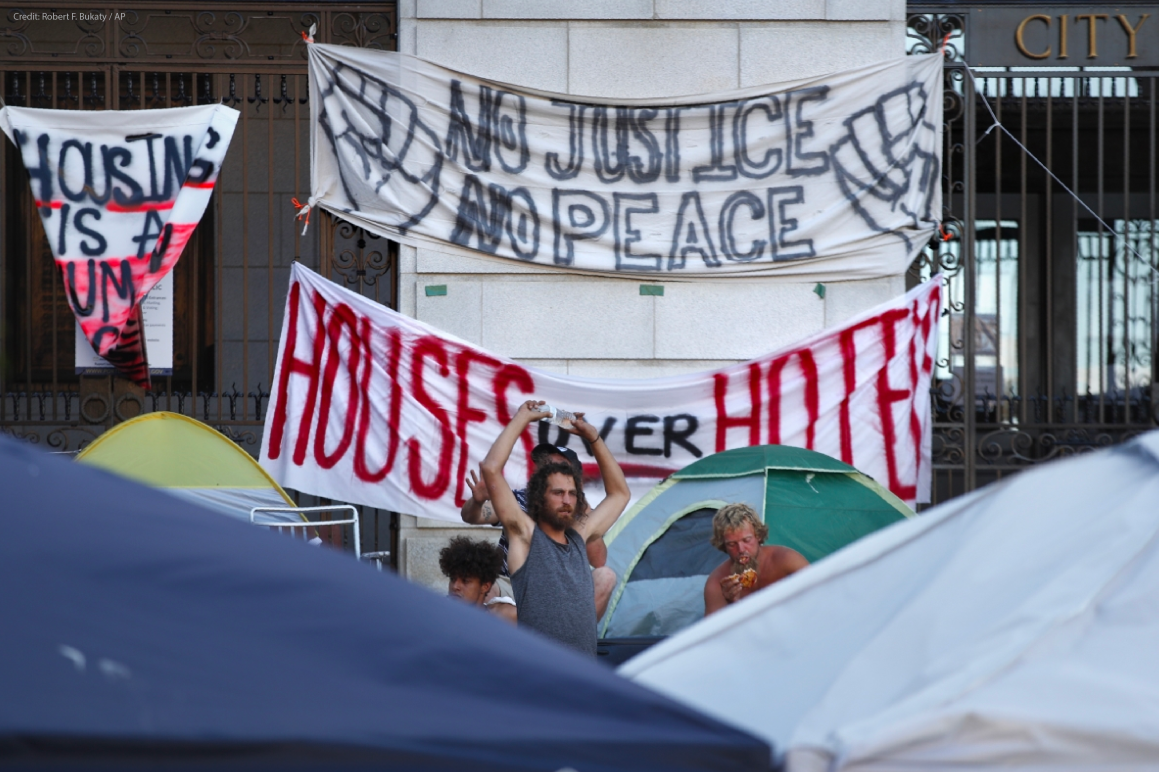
[
  {"x": 376, "y": 408},
  {"x": 119, "y": 193},
  {"x": 828, "y": 178}
]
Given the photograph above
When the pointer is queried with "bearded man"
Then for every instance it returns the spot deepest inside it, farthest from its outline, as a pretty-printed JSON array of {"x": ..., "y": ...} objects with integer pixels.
[
  {"x": 546, "y": 552},
  {"x": 740, "y": 533}
]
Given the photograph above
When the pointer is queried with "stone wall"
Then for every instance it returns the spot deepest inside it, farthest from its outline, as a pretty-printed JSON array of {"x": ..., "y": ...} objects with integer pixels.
[{"x": 629, "y": 48}]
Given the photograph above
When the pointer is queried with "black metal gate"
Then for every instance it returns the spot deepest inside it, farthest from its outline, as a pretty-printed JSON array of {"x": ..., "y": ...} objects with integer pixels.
[
  {"x": 1048, "y": 342},
  {"x": 230, "y": 284}
]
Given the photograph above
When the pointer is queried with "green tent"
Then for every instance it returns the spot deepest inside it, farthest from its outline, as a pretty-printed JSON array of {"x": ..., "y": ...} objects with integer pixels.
[
  {"x": 660, "y": 548},
  {"x": 191, "y": 460}
]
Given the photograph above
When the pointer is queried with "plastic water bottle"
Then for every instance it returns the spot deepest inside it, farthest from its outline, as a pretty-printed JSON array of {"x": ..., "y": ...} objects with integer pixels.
[{"x": 559, "y": 417}]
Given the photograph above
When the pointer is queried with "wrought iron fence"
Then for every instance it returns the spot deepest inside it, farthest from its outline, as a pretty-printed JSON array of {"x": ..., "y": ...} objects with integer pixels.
[
  {"x": 1048, "y": 340},
  {"x": 230, "y": 283}
]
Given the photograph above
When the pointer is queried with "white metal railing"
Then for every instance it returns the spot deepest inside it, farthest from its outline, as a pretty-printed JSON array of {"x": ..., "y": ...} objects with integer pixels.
[{"x": 307, "y": 523}]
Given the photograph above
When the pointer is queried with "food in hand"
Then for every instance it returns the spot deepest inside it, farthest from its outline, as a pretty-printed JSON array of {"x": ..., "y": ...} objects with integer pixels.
[{"x": 748, "y": 578}]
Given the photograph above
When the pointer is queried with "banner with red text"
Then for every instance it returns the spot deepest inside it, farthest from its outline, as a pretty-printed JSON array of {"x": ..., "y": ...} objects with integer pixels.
[
  {"x": 373, "y": 407},
  {"x": 119, "y": 193}
]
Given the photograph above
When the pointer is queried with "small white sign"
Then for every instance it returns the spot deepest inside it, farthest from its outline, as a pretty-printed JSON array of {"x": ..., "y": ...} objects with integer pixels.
[{"x": 157, "y": 312}]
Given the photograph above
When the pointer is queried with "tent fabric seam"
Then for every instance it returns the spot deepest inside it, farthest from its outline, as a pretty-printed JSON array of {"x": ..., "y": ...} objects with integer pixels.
[{"x": 757, "y": 470}]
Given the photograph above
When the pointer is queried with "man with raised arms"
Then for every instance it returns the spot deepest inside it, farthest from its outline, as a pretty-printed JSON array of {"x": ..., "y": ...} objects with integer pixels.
[
  {"x": 740, "y": 533},
  {"x": 477, "y": 510},
  {"x": 547, "y": 552}
]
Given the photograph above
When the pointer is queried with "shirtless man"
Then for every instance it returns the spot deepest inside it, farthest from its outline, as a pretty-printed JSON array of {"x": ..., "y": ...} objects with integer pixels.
[{"x": 739, "y": 532}]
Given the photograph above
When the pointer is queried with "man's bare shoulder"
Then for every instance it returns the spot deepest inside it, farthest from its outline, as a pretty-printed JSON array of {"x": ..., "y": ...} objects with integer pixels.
[{"x": 781, "y": 560}]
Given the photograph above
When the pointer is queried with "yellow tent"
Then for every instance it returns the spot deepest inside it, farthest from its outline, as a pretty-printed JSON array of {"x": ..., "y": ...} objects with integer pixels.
[{"x": 188, "y": 459}]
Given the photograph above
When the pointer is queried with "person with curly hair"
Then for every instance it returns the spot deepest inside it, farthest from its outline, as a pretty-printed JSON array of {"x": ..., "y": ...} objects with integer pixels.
[
  {"x": 471, "y": 567},
  {"x": 739, "y": 532},
  {"x": 547, "y": 553}
]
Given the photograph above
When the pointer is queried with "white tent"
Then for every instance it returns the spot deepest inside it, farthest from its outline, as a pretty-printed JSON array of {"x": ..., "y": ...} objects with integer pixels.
[{"x": 1015, "y": 626}]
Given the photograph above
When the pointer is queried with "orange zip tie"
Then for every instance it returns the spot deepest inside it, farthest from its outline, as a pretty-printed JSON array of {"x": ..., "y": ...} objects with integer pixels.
[
  {"x": 945, "y": 234},
  {"x": 942, "y": 48},
  {"x": 303, "y": 211}
]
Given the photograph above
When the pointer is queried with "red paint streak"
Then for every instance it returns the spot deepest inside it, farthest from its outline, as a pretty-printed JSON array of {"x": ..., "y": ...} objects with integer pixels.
[
  {"x": 291, "y": 364},
  {"x": 360, "y": 469},
  {"x": 430, "y": 347},
  {"x": 147, "y": 206},
  {"x": 592, "y": 471},
  {"x": 506, "y": 377},
  {"x": 922, "y": 323},
  {"x": 465, "y": 414},
  {"x": 49, "y": 204},
  {"x": 343, "y": 316},
  {"x": 849, "y": 367},
  {"x": 812, "y": 396},
  {"x": 724, "y": 422},
  {"x": 886, "y": 396},
  {"x": 202, "y": 185}
]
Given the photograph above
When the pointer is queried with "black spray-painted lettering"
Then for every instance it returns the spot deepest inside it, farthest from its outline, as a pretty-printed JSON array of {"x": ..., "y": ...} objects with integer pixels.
[
  {"x": 587, "y": 218},
  {"x": 86, "y": 308},
  {"x": 637, "y": 427},
  {"x": 716, "y": 170},
  {"x": 780, "y": 224},
  {"x": 691, "y": 235},
  {"x": 604, "y": 151},
  {"x": 575, "y": 154},
  {"x": 148, "y": 237},
  {"x": 489, "y": 218},
  {"x": 627, "y": 235},
  {"x": 99, "y": 244},
  {"x": 123, "y": 287},
  {"x": 802, "y": 161},
  {"x": 677, "y": 430},
  {"x": 763, "y": 109},
  {"x": 643, "y": 435},
  {"x": 608, "y": 155},
  {"x": 512, "y": 132},
  {"x": 643, "y": 168},
  {"x": 728, "y": 214}
]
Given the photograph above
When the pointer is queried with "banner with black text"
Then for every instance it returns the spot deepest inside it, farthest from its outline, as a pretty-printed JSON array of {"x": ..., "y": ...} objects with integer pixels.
[
  {"x": 373, "y": 407},
  {"x": 119, "y": 193},
  {"x": 828, "y": 178}
]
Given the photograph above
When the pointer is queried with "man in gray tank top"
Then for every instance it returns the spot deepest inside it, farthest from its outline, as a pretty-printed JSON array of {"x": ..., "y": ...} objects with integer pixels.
[{"x": 547, "y": 552}]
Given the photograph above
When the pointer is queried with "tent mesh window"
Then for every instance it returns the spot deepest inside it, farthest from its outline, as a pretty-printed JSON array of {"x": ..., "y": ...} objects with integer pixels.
[{"x": 684, "y": 550}]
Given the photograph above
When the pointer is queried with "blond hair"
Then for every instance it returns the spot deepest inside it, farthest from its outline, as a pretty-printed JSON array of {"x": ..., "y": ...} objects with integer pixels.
[{"x": 730, "y": 517}]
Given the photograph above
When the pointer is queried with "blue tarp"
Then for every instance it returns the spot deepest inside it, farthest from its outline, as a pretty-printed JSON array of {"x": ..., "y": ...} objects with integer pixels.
[{"x": 136, "y": 630}]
